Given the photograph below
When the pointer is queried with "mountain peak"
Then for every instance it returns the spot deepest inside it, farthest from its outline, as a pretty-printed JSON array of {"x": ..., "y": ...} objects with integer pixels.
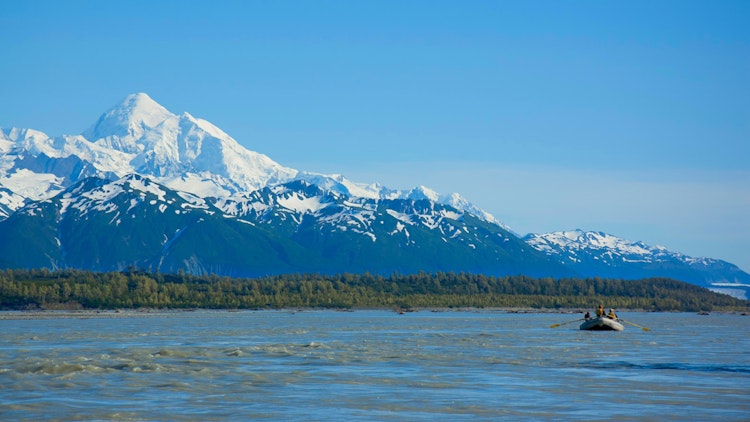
[
  {"x": 122, "y": 125},
  {"x": 423, "y": 192},
  {"x": 142, "y": 105},
  {"x": 605, "y": 247}
]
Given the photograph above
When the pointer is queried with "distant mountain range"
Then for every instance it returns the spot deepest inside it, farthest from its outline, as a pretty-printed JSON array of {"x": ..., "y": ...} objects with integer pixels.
[{"x": 149, "y": 189}]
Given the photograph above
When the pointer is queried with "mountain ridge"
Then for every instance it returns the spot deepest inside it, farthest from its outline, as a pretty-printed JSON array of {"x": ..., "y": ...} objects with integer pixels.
[
  {"x": 138, "y": 135},
  {"x": 292, "y": 227},
  {"x": 592, "y": 252},
  {"x": 302, "y": 217}
]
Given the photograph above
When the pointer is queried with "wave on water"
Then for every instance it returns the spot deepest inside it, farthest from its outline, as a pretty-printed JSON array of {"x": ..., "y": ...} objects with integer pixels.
[
  {"x": 64, "y": 368},
  {"x": 674, "y": 366},
  {"x": 365, "y": 365}
]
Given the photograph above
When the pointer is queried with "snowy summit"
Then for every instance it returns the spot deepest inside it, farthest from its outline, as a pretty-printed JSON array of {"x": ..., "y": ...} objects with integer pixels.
[{"x": 140, "y": 136}]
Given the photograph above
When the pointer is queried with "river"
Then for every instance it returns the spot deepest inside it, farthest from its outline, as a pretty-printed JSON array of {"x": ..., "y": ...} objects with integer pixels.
[{"x": 371, "y": 365}]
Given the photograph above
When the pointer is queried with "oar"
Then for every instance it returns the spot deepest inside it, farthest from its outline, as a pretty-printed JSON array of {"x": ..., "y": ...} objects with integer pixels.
[
  {"x": 635, "y": 325},
  {"x": 563, "y": 323}
]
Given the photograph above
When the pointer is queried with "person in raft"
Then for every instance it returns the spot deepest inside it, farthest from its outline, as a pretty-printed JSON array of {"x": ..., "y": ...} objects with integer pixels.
[
  {"x": 600, "y": 311},
  {"x": 612, "y": 314},
  {"x": 587, "y": 316}
]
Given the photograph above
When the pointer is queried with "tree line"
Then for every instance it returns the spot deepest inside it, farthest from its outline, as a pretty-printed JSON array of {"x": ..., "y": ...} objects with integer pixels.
[{"x": 76, "y": 289}]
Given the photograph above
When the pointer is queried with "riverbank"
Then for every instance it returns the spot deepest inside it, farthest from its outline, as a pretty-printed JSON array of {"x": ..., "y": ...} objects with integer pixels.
[
  {"x": 77, "y": 291},
  {"x": 149, "y": 313},
  {"x": 143, "y": 313}
]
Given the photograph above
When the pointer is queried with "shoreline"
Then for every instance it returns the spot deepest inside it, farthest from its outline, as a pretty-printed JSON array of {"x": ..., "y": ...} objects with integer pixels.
[{"x": 150, "y": 313}]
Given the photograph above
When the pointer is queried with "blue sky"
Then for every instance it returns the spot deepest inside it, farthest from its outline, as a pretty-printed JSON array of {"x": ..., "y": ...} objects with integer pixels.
[{"x": 631, "y": 118}]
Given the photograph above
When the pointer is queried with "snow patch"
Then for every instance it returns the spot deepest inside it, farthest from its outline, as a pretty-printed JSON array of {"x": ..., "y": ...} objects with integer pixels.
[
  {"x": 145, "y": 185},
  {"x": 303, "y": 204},
  {"x": 405, "y": 218},
  {"x": 36, "y": 186}
]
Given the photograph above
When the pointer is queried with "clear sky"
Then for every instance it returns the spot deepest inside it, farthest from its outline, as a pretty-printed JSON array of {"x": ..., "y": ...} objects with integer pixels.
[{"x": 631, "y": 118}]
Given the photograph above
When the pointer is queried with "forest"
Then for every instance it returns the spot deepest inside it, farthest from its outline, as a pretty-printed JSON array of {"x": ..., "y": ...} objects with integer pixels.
[{"x": 132, "y": 289}]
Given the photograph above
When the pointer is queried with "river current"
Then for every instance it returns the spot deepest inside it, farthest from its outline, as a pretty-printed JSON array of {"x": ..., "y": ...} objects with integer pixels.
[{"x": 371, "y": 365}]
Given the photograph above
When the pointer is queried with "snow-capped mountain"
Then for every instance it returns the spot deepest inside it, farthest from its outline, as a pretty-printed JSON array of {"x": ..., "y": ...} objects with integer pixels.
[
  {"x": 568, "y": 245},
  {"x": 299, "y": 202},
  {"x": 338, "y": 183},
  {"x": 136, "y": 136},
  {"x": 140, "y": 136},
  {"x": 105, "y": 225},
  {"x": 176, "y": 149},
  {"x": 148, "y": 188},
  {"x": 596, "y": 253},
  {"x": 293, "y": 227}
]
